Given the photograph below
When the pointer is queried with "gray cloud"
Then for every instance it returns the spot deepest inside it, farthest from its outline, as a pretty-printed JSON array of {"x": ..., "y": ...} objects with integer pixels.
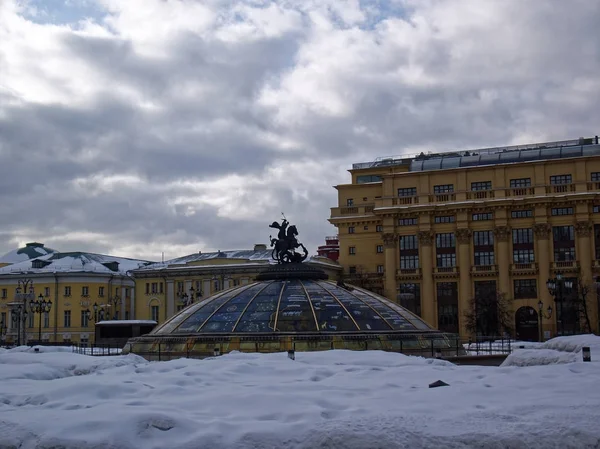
[{"x": 191, "y": 126}]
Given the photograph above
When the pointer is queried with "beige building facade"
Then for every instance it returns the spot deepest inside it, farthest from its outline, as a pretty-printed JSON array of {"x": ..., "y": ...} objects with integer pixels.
[{"x": 435, "y": 231}]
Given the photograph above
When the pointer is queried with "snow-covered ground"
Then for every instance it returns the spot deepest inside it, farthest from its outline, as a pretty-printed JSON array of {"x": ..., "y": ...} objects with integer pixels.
[{"x": 334, "y": 399}]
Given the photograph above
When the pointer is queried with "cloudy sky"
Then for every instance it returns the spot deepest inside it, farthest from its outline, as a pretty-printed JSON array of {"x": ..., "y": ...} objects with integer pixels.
[{"x": 146, "y": 126}]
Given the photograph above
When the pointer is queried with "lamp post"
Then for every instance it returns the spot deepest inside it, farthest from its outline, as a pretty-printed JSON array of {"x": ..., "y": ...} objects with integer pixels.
[
  {"x": 24, "y": 293},
  {"x": 3, "y": 329},
  {"x": 557, "y": 287},
  {"x": 114, "y": 302},
  {"x": 19, "y": 316},
  {"x": 96, "y": 309},
  {"x": 542, "y": 316},
  {"x": 40, "y": 306},
  {"x": 187, "y": 299}
]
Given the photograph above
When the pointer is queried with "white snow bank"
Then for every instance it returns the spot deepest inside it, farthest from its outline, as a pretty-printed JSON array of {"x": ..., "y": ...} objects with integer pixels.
[
  {"x": 556, "y": 350},
  {"x": 333, "y": 399}
]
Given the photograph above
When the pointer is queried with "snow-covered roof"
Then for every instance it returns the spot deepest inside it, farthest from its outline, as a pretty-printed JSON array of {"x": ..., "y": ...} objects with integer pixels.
[
  {"x": 29, "y": 251},
  {"x": 247, "y": 257},
  {"x": 75, "y": 262}
]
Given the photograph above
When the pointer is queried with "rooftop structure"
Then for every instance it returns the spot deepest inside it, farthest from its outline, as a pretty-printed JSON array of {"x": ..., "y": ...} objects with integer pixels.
[
  {"x": 489, "y": 156},
  {"x": 29, "y": 251}
]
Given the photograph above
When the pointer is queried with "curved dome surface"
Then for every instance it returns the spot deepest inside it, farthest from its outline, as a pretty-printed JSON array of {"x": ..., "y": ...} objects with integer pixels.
[
  {"x": 29, "y": 251},
  {"x": 293, "y": 306}
]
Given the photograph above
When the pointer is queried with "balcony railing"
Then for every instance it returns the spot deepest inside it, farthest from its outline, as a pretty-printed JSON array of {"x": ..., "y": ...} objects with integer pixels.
[
  {"x": 566, "y": 265},
  {"x": 480, "y": 194},
  {"x": 529, "y": 267},
  {"x": 520, "y": 191},
  {"x": 561, "y": 188},
  {"x": 362, "y": 209},
  {"x": 445, "y": 271},
  {"x": 408, "y": 272},
  {"x": 442, "y": 197},
  {"x": 484, "y": 269},
  {"x": 401, "y": 200}
]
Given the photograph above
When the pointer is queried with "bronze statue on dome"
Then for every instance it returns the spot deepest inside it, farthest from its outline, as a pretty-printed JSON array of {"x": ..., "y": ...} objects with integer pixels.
[{"x": 284, "y": 246}]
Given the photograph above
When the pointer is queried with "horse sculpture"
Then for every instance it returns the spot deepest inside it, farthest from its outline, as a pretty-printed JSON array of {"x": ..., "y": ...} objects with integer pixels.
[{"x": 284, "y": 246}]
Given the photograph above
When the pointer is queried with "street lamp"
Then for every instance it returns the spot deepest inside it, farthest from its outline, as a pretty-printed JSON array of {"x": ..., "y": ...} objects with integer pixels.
[
  {"x": 40, "y": 306},
  {"x": 19, "y": 316},
  {"x": 97, "y": 309},
  {"x": 114, "y": 301},
  {"x": 23, "y": 293},
  {"x": 542, "y": 316},
  {"x": 557, "y": 287},
  {"x": 3, "y": 329},
  {"x": 186, "y": 299}
]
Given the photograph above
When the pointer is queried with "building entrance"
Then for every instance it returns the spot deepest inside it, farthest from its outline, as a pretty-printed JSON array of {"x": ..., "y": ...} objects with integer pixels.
[{"x": 526, "y": 324}]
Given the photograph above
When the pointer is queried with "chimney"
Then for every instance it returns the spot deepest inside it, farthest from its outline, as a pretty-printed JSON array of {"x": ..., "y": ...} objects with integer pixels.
[{"x": 260, "y": 247}]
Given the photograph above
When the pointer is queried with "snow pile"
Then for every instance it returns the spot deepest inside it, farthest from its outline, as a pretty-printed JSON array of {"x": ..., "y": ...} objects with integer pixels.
[
  {"x": 333, "y": 399},
  {"x": 556, "y": 350}
]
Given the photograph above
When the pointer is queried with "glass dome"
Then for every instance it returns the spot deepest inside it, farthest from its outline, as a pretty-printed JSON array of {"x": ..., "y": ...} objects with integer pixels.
[
  {"x": 292, "y": 306},
  {"x": 289, "y": 310}
]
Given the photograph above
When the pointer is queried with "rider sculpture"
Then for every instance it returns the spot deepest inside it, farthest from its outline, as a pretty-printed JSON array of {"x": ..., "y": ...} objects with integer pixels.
[{"x": 284, "y": 246}]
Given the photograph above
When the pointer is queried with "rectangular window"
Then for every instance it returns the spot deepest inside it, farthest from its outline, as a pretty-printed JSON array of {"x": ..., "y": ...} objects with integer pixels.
[
  {"x": 31, "y": 319},
  {"x": 379, "y": 228},
  {"x": 562, "y": 211},
  {"x": 3, "y": 320},
  {"x": 483, "y": 216},
  {"x": 380, "y": 268},
  {"x": 444, "y": 219},
  {"x": 447, "y": 296},
  {"x": 47, "y": 292},
  {"x": 595, "y": 209},
  {"x": 147, "y": 288},
  {"x": 368, "y": 178},
  {"x": 350, "y": 202},
  {"x": 443, "y": 188},
  {"x": 67, "y": 291},
  {"x": 407, "y": 221},
  {"x": 482, "y": 185},
  {"x": 520, "y": 182},
  {"x": 161, "y": 288},
  {"x": 564, "y": 243},
  {"x": 483, "y": 246},
  {"x": 127, "y": 294},
  {"x": 445, "y": 250},
  {"x": 596, "y": 176},
  {"x": 560, "y": 179},
  {"x": 409, "y": 296},
  {"x": 365, "y": 228},
  {"x": 379, "y": 249},
  {"x": 67, "y": 318},
  {"x": 350, "y": 229},
  {"x": 352, "y": 270},
  {"x": 523, "y": 246},
  {"x": 525, "y": 288},
  {"x": 409, "y": 252},
  {"x": 407, "y": 191},
  {"x": 154, "y": 287},
  {"x": 521, "y": 213},
  {"x": 4, "y": 293},
  {"x": 352, "y": 250},
  {"x": 101, "y": 291},
  {"x": 154, "y": 313},
  {"x": 85, "y": 291},
  {"x": 180, "y": 287},
  {"x": 46, "y": 319},
  {"x": 84, "y": 318}
]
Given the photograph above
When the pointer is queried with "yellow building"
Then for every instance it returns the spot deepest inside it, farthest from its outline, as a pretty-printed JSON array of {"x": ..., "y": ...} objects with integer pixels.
[
  {"x": 438, "y": 230},
  {"x": 74, "y": 282},
  {"x": 167, "y": 287}
]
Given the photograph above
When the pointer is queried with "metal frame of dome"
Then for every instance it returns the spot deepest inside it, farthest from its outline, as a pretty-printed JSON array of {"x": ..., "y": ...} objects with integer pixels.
[{"x": 277, "y": 314}]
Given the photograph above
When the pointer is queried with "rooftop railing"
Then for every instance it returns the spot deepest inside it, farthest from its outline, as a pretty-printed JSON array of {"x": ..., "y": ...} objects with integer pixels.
[{"x": 383, "y": 161}]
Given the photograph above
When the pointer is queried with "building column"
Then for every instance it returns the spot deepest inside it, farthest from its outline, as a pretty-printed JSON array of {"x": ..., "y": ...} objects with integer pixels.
[
  {"x": 463, "y": 237},
  {"x": 428, "y": 300},
  {"x": 542, "y": 242},
  {"x": 390, "y": 242},
  {"x": 584, "y": 231},
  {"x": 502, "y": 234},
  {"x": 170, "y": 303},
  {"x": 132, "y": 304}
]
